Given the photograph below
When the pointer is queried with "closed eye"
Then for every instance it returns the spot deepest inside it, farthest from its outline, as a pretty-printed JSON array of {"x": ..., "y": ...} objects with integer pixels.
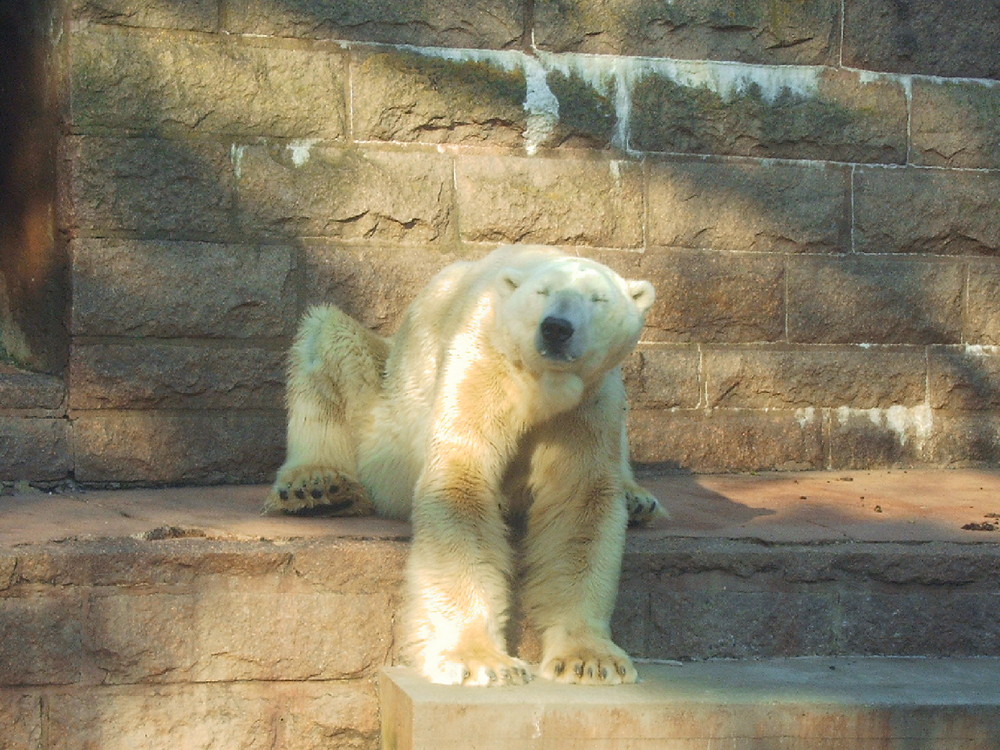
[{"x": 598, "y": 298}]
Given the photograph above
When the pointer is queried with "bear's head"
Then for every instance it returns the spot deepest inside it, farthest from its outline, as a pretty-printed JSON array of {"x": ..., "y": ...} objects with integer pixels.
[{"x": 572, "y": 314}]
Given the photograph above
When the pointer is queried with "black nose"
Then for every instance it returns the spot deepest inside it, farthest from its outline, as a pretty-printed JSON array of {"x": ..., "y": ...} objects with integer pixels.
[{"x": 556, "y": 331}]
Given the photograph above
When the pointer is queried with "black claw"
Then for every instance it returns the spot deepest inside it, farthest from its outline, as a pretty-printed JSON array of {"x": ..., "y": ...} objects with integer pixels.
[
  {"x": 283, "y": 494},
  {"x": 300, "y": 494},
  {"x": 622, "y": 670},
  {"x": 579, "y": 670},
  {"x": 559, "y": 668},
  {"x": 334, "y": 489},
  {"x": 317, "y": 494}
]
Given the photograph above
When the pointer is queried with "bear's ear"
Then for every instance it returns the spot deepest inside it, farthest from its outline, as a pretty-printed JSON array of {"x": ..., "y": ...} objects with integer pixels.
[
  {"x": 511, "y": 279},
  {"x": 642, "y": 294}
]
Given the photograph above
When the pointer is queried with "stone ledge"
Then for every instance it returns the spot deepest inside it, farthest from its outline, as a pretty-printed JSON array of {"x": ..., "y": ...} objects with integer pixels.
[{"x": 825, "y": 704}]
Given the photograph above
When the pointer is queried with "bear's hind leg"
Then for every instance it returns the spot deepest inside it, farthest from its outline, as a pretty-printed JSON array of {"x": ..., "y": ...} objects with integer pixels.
[{"x": 334, "y": 379}]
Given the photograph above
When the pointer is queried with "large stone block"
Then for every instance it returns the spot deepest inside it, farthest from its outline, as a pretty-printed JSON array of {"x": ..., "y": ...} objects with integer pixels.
[
  {"x": 874, "y": 300},
  {"x": 782, "y": 377},
  {"x": 404, "y": 96},
  {"x": 711, "y": 297},
  {"x": 664, "y": 377},
  {"x": 748, "y": 207},
  {"x": 926, "y": 211},
  {"x": 479, "y": 23},
  {"x": 897, "y": 436},
  {"x": 152, "y": 375},
  {"x": 699, "y": 624},
  {"x": 193, "y": 15},
  {"x": 956, "y": 124},
  {"x": 835, "y": 116},
  {"x": 964, "y": 439},
  {"x": 169, "y": 85},
  {"x": 216, "y": 716},
  {"x": 982, "y": 319},
  {"x": 150, "y": 186},
  {"x": 963, "y": 378},
  {"x": 550, "y": 201},
  {"x": 21, "y": 719},
  {"x": 33, "y": 392},
  {"x": 762, "y": 32},
  {"x": 34, "y": 449},
  {"x": 931, "y": 37},
  {"x": 41, "y": 639},
  {"x": 140, "y": 288},
  {"x": 727, "y": 440},
  {"x": 163, "y": 447},
  {"x": 317, "y": 191},
  {"x": 374, "y": 284}
]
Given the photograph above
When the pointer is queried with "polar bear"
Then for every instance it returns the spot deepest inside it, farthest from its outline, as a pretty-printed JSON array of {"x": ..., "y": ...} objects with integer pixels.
[{"x": 499, "y": 401}]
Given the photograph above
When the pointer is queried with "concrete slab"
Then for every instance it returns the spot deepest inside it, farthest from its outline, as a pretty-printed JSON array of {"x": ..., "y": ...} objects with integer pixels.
[
  {"x": 872, "y": 506},
  {"x": 811, "y": 703}
]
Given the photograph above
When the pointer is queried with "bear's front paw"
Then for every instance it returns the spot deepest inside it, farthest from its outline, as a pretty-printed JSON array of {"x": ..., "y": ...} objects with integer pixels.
[
  {"x": 643, "y": 507},
  {"x": 477, "y": 669},
  {"x": 313, "y": 490},
  {"x": 593, "y": 664}
]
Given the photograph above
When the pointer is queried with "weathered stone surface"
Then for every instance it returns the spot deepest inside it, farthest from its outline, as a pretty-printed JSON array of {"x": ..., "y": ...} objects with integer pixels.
[
  {"x": 955, "y": 124},
  {"x": 931, "y": 37},
  {"x": 163, "y": 376},
  {"x": 926, "y": 211},
  {"x": 963, "y": 378},
  {"x": 21, "y": 719},
  {"x": 181, "y": 289},
  {"x": 726, "y": 440},
  {"x": 763, "y": 32},
  {"x": 748, "y": 207},
  {"x": 664, "y": 377},
  {"x": 876, "y": 300},
  {"x": 156, "y": 187},
  {"x": 405, "y": 96},
  {"x": 193, "y": 15},
  {"x": 700, "y": 624},
  {"x": 982, "y": 319},
  {"x": 897, "y": 436},
  {"x": 166, "y": 85},
  {"x": 158, "y": 446},
  {"x": 587, "y": 116},
  {"x": 374, "y": 284},
  {"x": 551, "y": 201},
  {"x": 291, "y": 192},
  {"x": 910, "y": 623},
  {"x": 215, "y": 716},
  {"x": 31, "y": 391},
  {"x": 41, "y": 639},
  {"x": 843, "y": 120},
  {"x": 805, "y": 378},
  {"x": 712, "y": 297},
  {"x": 964, "y": 439},
  {"x": 475, "y": 23},
  {"x": 216, "y": 634},
  {"x": 34, "y": 449}
]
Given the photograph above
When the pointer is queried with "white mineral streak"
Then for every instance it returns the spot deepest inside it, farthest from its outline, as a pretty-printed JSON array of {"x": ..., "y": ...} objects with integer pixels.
[
  {"x": 300, "y": 150},
  {"x": 906, "y": 422},
  {"x": 609, "y": 75}
]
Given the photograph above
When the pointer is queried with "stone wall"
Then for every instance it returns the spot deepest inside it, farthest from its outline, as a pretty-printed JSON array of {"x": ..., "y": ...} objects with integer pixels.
[{"x": 811, "y": 185}]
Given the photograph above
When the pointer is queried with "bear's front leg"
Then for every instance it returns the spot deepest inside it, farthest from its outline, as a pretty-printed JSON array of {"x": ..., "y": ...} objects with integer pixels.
[{"x": 458, "y": 582}]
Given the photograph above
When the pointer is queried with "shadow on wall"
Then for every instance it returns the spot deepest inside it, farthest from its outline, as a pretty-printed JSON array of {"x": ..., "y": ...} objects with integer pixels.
[{"x": 33, "y": 278}]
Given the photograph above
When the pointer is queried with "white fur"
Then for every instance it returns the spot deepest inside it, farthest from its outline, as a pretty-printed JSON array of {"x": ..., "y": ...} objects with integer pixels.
[{"x": 476, "y": 412}]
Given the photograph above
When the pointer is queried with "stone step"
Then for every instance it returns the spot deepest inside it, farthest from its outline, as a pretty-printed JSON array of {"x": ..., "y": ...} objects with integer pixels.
[{"x": 792, "y": 704}]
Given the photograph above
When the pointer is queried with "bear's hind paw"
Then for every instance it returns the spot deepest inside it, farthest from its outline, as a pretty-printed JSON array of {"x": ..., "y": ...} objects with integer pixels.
[
  {"x": 643, "y": 507},
  {"x": 317, "y": 491}
]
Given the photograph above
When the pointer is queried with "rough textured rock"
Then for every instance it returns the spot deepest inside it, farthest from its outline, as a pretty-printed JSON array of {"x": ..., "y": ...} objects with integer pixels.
[
  {"x": 140, "y": 288},
  {"x": 151, "y": 375},
  {"x": 904, "y": 301},
  {"x": 925, "y": 36},
  {"x": 712, "y": 297},
  {"x": 982, "y": 321},
  {"x": 559, "y": 202},
  {"x": 664, "y": 377},
  {"x": 748, "y": 207},
  {"x": 34, "y": 448},
  {"x": 956, "y": 124},
  {"x": 194, "y": 15},
  {"x": 317, "y": 191},
  {"x": 479, "y": 23},
  {"x": 843, "y": 120},
  {"x": 126, "y": 82},
  {"x": 963, "y": 378},
  {"x": 926, "y": 211},
  {"x": 755, "y": 31},
  {"x": 804, "y": 377}
]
